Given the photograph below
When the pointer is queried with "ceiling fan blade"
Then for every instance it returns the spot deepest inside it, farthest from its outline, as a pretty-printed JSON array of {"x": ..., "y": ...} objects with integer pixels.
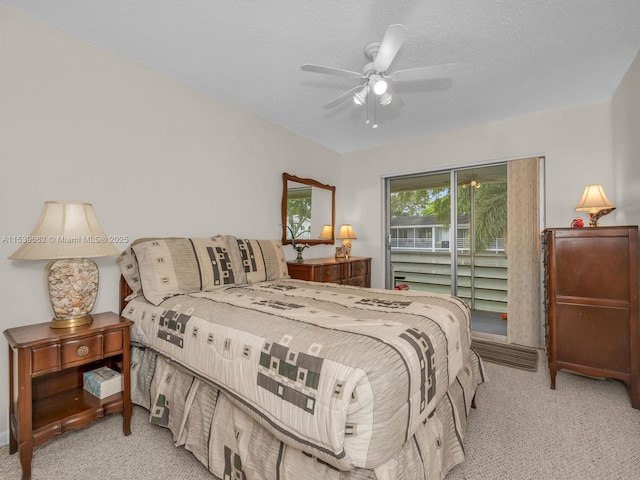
[
  {"x": 423, "y": 73},
  {"x": 391, "y": 43},
  {"x": 330, "y": 71},
  {"x": 343, "y": 96}
]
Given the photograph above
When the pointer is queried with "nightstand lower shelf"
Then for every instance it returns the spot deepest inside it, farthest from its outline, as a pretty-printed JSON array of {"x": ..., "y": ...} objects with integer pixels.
[{"x": 70, "y": 410}]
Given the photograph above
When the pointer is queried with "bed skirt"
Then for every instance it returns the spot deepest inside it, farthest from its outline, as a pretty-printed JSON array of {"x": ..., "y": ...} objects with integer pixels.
[{"x": 205, "y": 421}]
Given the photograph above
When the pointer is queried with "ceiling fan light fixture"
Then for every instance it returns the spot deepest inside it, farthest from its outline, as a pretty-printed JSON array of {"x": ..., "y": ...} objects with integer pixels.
[
  {"x": 360, "y": 98},
  {"x": 385, "y": 98},
  {"x": 379, "y": 84}
]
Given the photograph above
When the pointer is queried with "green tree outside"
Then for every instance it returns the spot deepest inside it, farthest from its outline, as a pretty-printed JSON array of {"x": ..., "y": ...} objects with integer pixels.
[
  {"x": 490, "y": 208},
  {"x": 299, "y": 212}
]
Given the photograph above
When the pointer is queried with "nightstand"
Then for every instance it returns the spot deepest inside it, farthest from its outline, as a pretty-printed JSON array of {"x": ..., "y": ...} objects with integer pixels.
[
  {"x": 351, "y": 271},
  {"x": 46, "y": 384}
]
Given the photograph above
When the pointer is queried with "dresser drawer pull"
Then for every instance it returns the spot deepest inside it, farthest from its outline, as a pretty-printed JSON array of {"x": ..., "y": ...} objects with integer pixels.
[
  {"x": 330, "y": 273},
  {"x": 82, "y": 350}
]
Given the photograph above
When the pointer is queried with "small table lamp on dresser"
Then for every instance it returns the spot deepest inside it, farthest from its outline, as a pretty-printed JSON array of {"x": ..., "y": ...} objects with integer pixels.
[
  {"x": 595, "y": 202},
  {"x": 67, "y": 233},
  {"x": 346, "y": 234}
]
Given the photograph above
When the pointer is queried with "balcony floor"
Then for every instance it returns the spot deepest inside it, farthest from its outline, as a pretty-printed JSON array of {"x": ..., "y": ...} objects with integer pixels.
[{"x": 488, "y": 322}]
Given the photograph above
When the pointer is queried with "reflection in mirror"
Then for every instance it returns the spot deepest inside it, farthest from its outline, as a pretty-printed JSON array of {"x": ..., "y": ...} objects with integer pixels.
[
  {"x": 307, "y": 206},
  {"x": 299, "y": 201}
]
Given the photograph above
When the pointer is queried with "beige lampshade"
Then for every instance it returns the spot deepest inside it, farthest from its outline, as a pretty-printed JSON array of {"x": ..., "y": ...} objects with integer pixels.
[
  {"x": 68, "y": 233},
  {"x": 346, "y": 232},
  {"x": 593, "y": 200},
  {"x": 66, "y": 230},
  {"x": 327, "y": 232}
]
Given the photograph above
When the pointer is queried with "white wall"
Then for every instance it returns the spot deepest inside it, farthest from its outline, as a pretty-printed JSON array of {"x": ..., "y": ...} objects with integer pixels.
[
  {"x": 626, "y": 126},
  {"x": 577, "y": 144},
  {"x": 154, "y": 157}
]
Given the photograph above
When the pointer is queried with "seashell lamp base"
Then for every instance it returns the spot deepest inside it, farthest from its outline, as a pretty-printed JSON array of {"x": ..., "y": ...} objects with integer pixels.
[{"x": 73, "y": 288}]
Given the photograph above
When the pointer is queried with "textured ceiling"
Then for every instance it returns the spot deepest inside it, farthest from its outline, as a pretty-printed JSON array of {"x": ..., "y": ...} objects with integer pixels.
[{"x": 513, "y": 57}]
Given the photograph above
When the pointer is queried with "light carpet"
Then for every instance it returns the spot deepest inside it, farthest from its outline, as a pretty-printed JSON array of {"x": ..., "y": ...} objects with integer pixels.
[{"x": 521, "y": 430}]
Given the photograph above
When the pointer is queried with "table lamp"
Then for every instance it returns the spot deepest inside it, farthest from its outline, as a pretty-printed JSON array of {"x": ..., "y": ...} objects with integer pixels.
[
  {"x": 594, "y": 201},
  {"x": 68, "y": 233},
  {"x": 346, "y": 234}
]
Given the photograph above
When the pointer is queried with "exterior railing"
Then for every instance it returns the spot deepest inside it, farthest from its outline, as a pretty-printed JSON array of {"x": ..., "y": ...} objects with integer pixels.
[
  {"x": 412, "y": 243},
  {"x": 495, "y": 246}
]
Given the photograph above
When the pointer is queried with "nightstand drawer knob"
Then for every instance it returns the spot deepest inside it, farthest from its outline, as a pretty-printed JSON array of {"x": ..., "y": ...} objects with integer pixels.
[{"x": 82, "y": 350}]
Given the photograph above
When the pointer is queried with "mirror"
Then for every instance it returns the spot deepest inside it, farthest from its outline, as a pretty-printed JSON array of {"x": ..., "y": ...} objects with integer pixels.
[{"x": 307, "y": 206}]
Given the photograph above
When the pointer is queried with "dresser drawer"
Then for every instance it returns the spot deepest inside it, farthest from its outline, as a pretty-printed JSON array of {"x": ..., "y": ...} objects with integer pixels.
[
  {"x": 328, "y": 273},
  {"x": 351, "y": 271},
  {"x": 359, "y": 281},
  {"x": 358, "y": 269}
]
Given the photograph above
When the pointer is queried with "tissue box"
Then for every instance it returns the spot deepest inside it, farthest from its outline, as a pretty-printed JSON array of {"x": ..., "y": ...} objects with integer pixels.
[{"x": 102, "y": 382}]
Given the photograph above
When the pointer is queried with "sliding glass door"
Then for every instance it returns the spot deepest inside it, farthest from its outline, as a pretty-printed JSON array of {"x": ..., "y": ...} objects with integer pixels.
[
  {"x": 446, "y": 233},
  {"x": 481, "y": 259}
]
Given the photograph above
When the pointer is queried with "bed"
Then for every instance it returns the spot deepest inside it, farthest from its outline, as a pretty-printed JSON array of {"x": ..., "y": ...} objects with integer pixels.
[{"x": 262, "y": 376}]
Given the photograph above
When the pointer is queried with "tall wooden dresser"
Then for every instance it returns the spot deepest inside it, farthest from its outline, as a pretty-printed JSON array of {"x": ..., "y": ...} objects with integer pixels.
[{"x": 591, "y": 300}]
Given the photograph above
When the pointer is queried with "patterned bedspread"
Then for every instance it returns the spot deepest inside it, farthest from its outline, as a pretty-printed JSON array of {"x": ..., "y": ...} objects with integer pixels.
[{"x": 345, "y": 374}]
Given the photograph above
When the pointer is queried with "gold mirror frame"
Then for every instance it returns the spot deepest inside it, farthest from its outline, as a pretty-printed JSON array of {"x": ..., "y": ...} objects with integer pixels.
[{"x": 286, "y": 178}]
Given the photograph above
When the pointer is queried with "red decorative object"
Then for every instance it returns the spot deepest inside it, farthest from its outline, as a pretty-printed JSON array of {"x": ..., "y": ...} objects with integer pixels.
[{"x": 577, "y": 223}]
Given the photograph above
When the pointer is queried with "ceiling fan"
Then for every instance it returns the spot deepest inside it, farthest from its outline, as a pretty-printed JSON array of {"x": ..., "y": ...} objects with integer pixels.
[{"x": 375, "y": 78}]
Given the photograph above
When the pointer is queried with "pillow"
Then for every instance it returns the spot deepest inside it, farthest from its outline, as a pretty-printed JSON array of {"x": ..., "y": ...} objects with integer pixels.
[
  {"x": 174, "y": 266},
  {"x": 235, "y": 257},
  {"x": 263, "y": 260},
  {"x": 129, "y": 268}
]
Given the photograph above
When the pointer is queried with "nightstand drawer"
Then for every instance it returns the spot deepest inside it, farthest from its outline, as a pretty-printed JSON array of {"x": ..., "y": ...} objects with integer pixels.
[
  {"x": 45, "y": 359},
  {"x": 81, "y": 351},
  {"x": 112, "y": 342},
  {"x": 330, "y": 273}
]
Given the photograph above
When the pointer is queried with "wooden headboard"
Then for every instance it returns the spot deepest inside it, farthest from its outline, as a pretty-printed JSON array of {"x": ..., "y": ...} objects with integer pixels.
[{"x": 125, "y": 291}]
